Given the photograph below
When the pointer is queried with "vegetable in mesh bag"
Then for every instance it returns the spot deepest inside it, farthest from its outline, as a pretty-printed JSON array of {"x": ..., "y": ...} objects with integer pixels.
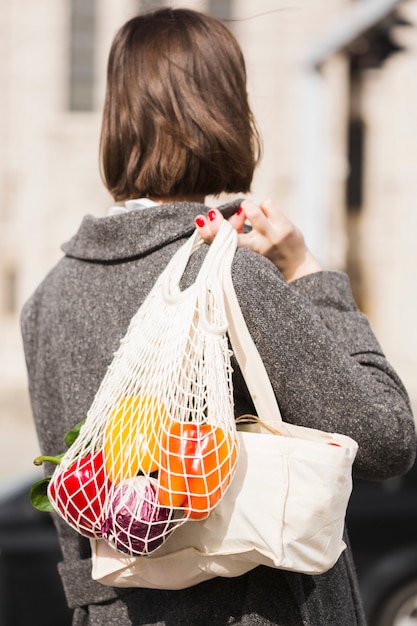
[
  {"x": 197, "y": 465},
  {"x": 136, "y": 523},
  {"x": 132, "y": 436},
  {"x": 77, "y": 493}
]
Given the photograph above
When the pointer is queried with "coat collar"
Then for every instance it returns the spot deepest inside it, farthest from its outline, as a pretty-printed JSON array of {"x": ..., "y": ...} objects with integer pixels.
[
  {"x": 136, "y": 233},
  {"x": 132, "y": 234}
]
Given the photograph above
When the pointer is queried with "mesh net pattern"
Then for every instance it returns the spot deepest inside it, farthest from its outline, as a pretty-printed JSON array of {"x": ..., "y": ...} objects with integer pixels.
[{"x": 159, "y": 446}]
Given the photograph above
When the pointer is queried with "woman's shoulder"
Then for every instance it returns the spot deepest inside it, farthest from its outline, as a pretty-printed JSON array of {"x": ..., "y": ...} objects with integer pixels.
[{"x": 253, "y": 266}]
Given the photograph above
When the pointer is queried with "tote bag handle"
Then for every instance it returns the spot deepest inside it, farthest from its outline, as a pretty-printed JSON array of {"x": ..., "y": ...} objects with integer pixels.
[{"x": 246, "y": 353}]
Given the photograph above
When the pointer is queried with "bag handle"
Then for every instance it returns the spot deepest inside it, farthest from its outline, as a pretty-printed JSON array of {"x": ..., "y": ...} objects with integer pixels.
[
  {"x": 207, "y": 283},
  {"x": 173, "y": 272},
  {"x": 210, "y": 266},
  {"x": 217, "y": 264},
  {"x": 244, "y": 348}
]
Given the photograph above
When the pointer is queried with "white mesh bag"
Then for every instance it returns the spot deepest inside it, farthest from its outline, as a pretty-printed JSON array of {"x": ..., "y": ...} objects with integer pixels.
[{"x": 159, "y": 444}]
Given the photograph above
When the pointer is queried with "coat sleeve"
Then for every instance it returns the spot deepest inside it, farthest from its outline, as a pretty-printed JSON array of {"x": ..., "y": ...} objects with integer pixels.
[{"x": 326, "y": 366}]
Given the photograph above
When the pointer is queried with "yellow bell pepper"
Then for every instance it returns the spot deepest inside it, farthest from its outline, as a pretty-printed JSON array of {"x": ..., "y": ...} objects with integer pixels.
[{"x": 132, "y": 437}]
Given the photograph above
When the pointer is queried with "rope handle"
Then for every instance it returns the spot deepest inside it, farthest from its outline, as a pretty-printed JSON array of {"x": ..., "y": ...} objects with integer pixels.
[
  {"x": 207, "y": 284},
  {"x": 215, "y": 273}
]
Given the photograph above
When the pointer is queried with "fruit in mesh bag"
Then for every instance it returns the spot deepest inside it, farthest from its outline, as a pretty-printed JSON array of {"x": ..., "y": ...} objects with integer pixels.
[
  {"x": 137, "y": 524},
  {"x": 79, "y": 493},
  {"x": 197, "y": 463},
  {"x": 132, "y": 437}
]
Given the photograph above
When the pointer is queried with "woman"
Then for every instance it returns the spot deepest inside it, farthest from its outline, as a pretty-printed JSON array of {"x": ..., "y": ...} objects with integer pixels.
[{"x": 177, "y": 127}]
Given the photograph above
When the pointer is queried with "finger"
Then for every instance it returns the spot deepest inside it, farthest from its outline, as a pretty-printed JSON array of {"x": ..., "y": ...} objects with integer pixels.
[
  {"x": 208, "y": 226},
  {"x": 269, "y": 221},
  {"x": 266, "y": 207},
  {"x": 257, "y": 217},
  {"x": 203, "y": 228},
  {"x": 238, "y": 219},
  {"x": 274, "y": 214},
  {"x": 215, "y": 218}
]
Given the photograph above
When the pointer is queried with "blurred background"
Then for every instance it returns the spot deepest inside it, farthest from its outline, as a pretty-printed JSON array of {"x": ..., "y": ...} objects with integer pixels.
[{"x": 333, "y": 86}]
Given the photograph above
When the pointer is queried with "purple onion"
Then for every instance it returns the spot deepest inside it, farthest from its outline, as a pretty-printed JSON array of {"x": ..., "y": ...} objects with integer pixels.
[{"x": 137, "y": 524}]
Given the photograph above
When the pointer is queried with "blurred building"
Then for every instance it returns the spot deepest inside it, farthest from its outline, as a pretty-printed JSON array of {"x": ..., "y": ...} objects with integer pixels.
[{"x": 334, "y": 98}]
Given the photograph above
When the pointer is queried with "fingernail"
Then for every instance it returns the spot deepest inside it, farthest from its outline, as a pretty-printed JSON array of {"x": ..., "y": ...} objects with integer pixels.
[
  {"x": 211, "y": 215},
  {"x": 199, "y": 221},
  {"x": 239, "y": 211}
]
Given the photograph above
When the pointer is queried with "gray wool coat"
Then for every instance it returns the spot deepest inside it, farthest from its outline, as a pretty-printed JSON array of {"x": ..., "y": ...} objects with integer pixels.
[{"x": 326, "y": 367}]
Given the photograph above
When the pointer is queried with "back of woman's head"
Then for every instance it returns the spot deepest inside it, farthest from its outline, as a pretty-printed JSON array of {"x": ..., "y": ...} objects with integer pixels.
[{"x": 176, "y": 119}]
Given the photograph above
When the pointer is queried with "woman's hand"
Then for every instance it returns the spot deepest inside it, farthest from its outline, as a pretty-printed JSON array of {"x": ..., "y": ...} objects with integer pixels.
[{"x": 272, "y": 235}]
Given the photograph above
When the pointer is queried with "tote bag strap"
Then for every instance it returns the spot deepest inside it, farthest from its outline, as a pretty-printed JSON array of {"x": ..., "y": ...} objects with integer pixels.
[{"x": 246, "y": 353}]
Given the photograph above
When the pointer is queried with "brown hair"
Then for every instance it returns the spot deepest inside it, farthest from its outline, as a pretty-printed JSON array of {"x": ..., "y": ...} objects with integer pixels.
[{"x": 176, "y": 118}]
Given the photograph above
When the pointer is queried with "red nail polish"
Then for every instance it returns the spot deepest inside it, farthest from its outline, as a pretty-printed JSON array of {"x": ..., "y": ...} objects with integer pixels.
[
  {"x": 211, "y": 215},
  {"x": 199, "y": 221},
  {"x": 239, "y": 211}
]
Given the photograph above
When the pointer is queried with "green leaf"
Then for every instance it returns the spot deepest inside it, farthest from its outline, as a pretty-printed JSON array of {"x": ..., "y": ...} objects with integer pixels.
[
  {"x": 72, "y": 434},
  {"x": 39, "y": 495}
]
